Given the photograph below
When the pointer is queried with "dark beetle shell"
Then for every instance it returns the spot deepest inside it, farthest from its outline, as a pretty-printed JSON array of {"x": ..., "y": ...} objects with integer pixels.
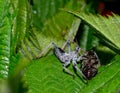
[{"x": 90, "y": 64}]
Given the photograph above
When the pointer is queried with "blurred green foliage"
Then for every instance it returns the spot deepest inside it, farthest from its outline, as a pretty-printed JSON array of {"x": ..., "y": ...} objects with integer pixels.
[{"x": 27, "y": 27}]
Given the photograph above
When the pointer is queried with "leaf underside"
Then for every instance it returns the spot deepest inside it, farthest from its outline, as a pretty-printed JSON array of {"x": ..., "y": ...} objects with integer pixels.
[
  {"x": 46, "y": 75},
  {"x": 107, "y": 29}
]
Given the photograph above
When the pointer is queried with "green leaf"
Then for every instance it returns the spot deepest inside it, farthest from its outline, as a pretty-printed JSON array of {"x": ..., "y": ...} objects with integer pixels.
[
  {"x": 19, "y": 31},
  {"x": 107, "y": 29},
  {"x": 5, "y": 31},
  {"x": 43, "y": 10},
  {"x": 2, "y": 10},
  {"x": 56, "y": 29},
  {"x": 19, "y": 25},
  {"x": 86, "y": 37},
  {"x": 46, "y": 75}
]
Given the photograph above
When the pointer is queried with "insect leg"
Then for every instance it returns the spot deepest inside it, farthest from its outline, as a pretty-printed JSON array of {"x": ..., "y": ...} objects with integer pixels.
[
  {"x": 79, "y": 58},
  {"x": 44, "y": 51},
  {"x": 65, "y": 69},
  {"x": 65, "y": 44},
  {"x": 76, "y": 67},
  {"x": 68, "y": 43},
  {"x": 97, "y": 59}
]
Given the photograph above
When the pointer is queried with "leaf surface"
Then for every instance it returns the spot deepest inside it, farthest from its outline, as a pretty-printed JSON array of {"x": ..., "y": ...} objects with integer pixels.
[
  {"x": 46, "y": 75},
  {"x": 107, "y": 29},
  {"x": 5, "y": 31},
  {"x": 56, "y": 28}
]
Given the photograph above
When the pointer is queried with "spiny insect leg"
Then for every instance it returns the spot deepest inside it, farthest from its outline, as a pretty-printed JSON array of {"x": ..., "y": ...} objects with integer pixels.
[
  {"x": 76, "y": 67},
  {"x": 68, "y": 43},
  {"x": 65, "y": 69},
  {"x": 65, "y": 44},
  {"x": 42, "y": 53}
]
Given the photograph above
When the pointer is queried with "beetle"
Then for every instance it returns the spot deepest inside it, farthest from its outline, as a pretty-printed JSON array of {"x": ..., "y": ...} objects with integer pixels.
[{"x": 90, "y": 63}]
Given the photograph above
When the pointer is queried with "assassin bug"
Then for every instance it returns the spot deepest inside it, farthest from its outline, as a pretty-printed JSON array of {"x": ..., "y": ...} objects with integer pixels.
[{"x": 89, "y": 60}]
